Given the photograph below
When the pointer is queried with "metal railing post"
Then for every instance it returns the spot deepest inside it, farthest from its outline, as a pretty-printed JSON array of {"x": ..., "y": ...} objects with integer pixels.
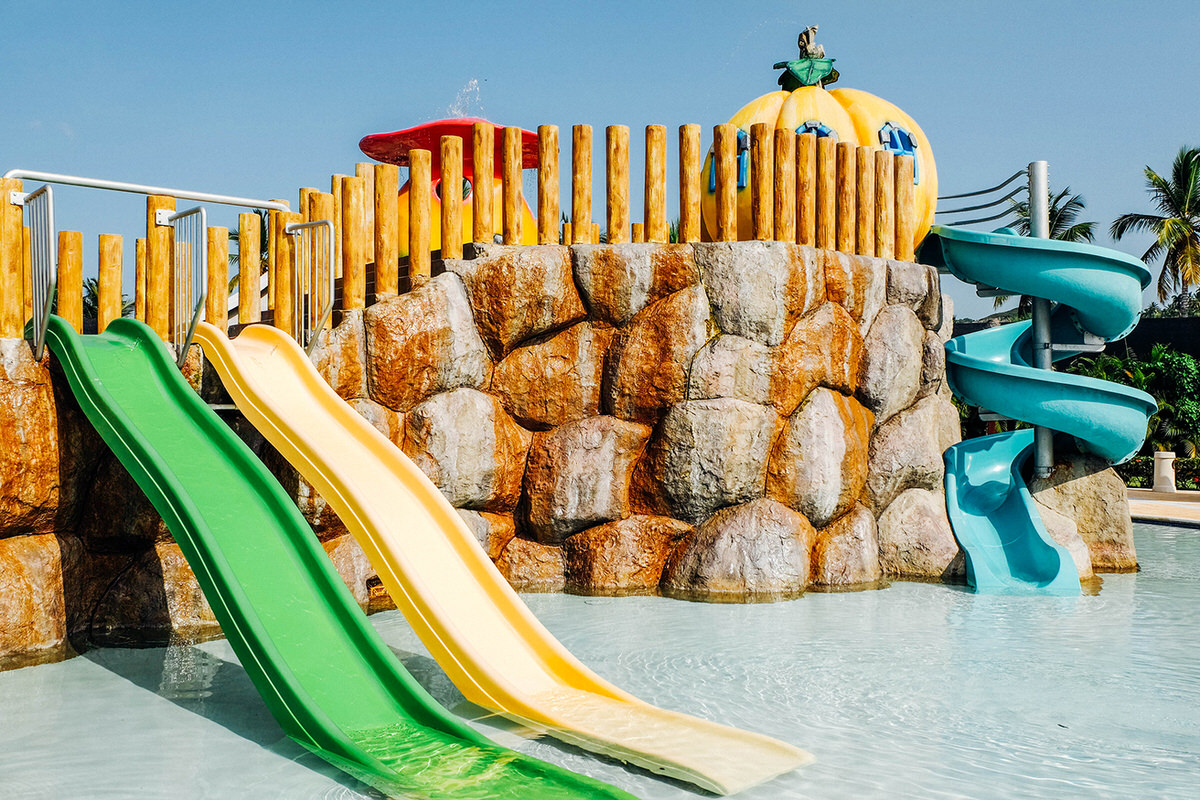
[
  {"x": 191, "y": 275},
  {"x": 43, "y": 261},
  {"x": 312, "y": 281},
  {"x": 1039, "y": 227}
]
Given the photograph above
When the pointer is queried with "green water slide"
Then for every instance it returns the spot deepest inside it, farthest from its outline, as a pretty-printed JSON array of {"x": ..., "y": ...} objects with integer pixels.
[
  {"x": 1097, "y": 292},
  {"x": 327, "y": 677}
]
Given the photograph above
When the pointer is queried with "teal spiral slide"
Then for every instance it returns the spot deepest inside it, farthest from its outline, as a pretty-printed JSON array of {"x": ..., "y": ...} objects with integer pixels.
[{"x": 1097, "y": 292}]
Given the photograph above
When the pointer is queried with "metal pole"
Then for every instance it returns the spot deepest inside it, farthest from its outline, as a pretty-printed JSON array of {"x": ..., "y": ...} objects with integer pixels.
[{"x": 1039, "y": 227}]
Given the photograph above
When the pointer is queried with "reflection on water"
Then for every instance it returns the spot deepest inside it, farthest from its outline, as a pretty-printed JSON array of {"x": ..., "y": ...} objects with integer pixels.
[{"x": 917, "y": 691}]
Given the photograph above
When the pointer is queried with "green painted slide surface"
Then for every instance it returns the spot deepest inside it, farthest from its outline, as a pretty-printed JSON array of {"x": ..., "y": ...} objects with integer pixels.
[
  {"x": 1098, "y": 296},
  {"x": 326, "y": 675}
]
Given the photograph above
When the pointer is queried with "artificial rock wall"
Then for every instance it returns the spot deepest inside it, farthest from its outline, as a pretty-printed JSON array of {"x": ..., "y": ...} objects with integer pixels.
[{"x": 725, "y": 421}]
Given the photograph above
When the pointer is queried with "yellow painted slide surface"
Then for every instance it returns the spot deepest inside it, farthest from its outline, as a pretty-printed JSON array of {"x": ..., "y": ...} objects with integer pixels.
[{"x": 477, "y": 628}]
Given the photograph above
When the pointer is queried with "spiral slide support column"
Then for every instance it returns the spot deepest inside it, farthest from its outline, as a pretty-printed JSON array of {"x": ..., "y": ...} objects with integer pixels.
[{"x": 1097, "y": 298}]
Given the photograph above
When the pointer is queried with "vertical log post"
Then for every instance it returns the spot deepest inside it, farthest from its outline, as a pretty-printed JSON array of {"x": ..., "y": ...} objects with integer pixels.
[
  {"x": 847, "y": 194},
  {"x": 366, "y": 172},
  {"x": 510, "y": 179},
  {"x": 320, "y": 206},
  {"x": 864, "y": 169},
  {"x": 335, "y": 188},
  {"x": 637, "y": 232},
  {"x": 272, "y": 254},
  {"x": 547, "y": 200},
  {"x": 617, "y": 179},
  {"x": 806, "y": 189},
  {"x": 827, "y": 193},
  {"x": 387, "y": 229},
  {"x": 419, "y": 166},
  {"x": 725, "y": 159},
  {"x": 483, "y": 147},
  {"x": 354, "y": 251},
  {"x": 906, "y": 217},
  {"x": 303, "y": 206},
  {"x": 216, "y": 301},
  {"x": 452, "y": 178},
  {"x": 139, "y": 280},
  {"x": 12, "y": 258},
  {"x": 566, "y": 234},
  {"x": 785, "y": 185},
  {"x": 885, "y": 208},
  {"x": 655, "y": 197},
  {"x": 285, "y": 256},
  {"x": 108, "y": 281},
  {"x": 690, "y": 164},
  {"x": 70, "y": 278},
  {"x": 595, "y": 237},
  {"x": 249, "y": 269},
  {"x": 581, "y": 183},
  {"x": 762, "y": 182},
  {"x": 160, "y": 263}
]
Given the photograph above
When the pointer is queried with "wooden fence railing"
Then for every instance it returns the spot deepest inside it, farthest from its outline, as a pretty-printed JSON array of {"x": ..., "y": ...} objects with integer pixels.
[{"x": 804, "y": 189}]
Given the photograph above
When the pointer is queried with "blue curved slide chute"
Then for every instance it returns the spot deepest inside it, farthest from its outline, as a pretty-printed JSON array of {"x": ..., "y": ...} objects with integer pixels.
[{"x": 1098, "y": 295}]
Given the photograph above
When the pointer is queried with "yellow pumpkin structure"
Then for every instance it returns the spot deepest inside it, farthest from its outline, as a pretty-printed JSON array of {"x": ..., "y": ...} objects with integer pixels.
[{"x": 804, "y": 105}]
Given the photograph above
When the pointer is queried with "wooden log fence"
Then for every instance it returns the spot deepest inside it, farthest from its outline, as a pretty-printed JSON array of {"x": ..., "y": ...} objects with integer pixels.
[{"x": 803, "y": 189}]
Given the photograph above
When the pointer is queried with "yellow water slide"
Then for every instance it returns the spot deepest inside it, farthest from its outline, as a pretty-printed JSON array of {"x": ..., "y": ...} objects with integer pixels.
[{"x": 489, "y": 643}]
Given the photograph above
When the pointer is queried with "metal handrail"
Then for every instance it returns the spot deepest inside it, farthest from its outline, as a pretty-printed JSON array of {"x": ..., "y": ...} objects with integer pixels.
[
  {"x": 193, "y": 237},
  {"x": 43, "y": 258},
  {"x": 989, "y": 204},
  {"x": 138, "y": 188},
  {"x": 1018, "y": 174},
  {"x": 306, "y": 281}
]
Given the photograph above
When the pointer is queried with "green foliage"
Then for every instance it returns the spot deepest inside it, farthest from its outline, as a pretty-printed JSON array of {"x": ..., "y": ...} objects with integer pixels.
[
  {"x": 1184, "y": 304},
  {"x": 1138, "y": 473},
  {"x": 1176, "y": 228}
]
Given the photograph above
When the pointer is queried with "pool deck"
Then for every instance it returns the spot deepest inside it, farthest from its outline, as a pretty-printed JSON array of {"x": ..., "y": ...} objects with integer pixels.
[{"x": 1176, "y": 508}]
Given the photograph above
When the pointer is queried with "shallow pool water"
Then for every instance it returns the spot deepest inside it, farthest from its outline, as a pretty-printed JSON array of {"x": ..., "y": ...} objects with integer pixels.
[{"x": 919, "y": 690}]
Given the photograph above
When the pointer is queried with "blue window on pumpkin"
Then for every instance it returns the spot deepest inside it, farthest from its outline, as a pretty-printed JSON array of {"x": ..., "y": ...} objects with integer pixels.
[
  {"x": 819, "y": 128},
  {"x": 900, "y": 141},
  {"x": 743, "y": 163}
]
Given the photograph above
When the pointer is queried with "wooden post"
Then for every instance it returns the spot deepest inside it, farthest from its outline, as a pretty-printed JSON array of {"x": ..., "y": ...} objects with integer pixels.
[
  {"x": 387, "y": 229},
  {"x": 581, "y": 183},
  {"x": 725, "y": 157},
  {"x": 806, "y": 189},
  {"x": 139, "y": 280},
  {"x": 216, "y": 301},
  {"x": 762, "y": 183},
  {"x": 320, "y": 206},
  {"x": 249, "y": 269},
  {"x": 827, "y": 193},
  {"x": 864, "y": 168},
  {"x": 160, "y": 263},
  {"x": 511, "y": 182},
  {"x": 27, "y": 272},
  {"x": 335, "y": 188},
  {"x": 285, "y": 256},
  {"x": 690, "y": 164},
  {"x": 547, "y": 184},
  {"x": 595, "y": 237},
  {"x": 354, "y": 256},
  {"x": 12, "y": 261},
  {"x": 566, "y": 234},
  {"x": 108, "y": 281},
  {"x": 655, "y": 198},
  {"x": 637, "y": 232},
  {"x": 452, "y": 177},
  {"x": 785, "y": 185},
  {"x": 617, "y": 178},
  {"x": 483, "y": 146},
  {"x": 885, "y": 208},
  {"x": 420, "y": 162},
  {"x": 366, "y": 171},
  {"x": 304, "y": 195},
  {"x": 847, "y": 193},
  {"x": 70, "y": 278},
  {"x": 272, "y": 255},
  {"x": 906, "y": 217}
]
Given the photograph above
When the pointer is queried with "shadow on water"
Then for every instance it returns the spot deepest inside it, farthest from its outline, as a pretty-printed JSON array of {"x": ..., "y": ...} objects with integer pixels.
[{"x": 217, "y": 690}]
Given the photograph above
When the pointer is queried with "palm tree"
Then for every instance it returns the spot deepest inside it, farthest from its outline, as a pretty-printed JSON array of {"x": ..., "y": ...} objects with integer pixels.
[
  {"x": 1065, "y": 209},
  {"x": 1176, "y": 228}
]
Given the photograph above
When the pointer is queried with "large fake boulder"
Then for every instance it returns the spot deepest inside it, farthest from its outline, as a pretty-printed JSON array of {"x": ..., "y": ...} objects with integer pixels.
[
  {"x": 619, "y": 280},
  {"x": 824, "y": 348},
  {"x": 531, "y": 566},
  {"x": 906, "y": 451},
  {"x": 622, "y": 557},
  {"x": 846, "y": 553},
  {"x": 915, "y": 539},
  {"x": 1085, "y": 489},
  {"x": 756, "y": 551},
  {"x": 893, "y": 355}
]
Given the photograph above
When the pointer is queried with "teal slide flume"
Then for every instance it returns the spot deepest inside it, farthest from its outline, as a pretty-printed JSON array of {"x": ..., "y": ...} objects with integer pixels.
[
  {"x": 326, "y": 675},
  {"x": 1098, "y": 296}
]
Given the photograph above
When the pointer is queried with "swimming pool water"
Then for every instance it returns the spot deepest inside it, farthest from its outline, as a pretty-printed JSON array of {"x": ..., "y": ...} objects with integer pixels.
[{"x": 920, "y": 691}]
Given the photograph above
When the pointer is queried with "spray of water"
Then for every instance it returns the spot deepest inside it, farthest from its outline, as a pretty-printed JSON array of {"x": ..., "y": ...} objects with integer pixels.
[{"x": 466, "y": 102}]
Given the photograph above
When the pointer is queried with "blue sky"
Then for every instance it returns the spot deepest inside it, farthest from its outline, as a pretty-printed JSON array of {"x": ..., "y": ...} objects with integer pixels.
[{"x": 260, "y": 99}]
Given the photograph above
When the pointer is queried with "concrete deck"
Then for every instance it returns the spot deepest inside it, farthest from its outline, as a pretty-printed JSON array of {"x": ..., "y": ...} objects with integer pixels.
[{"x": 1177, "y": 508}]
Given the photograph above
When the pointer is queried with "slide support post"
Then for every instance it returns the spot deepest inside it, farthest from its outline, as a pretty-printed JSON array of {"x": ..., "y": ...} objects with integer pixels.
[{"x": 1039, "y": 227}]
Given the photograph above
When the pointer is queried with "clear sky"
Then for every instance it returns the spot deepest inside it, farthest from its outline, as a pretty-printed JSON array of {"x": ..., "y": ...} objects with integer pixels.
[{"x": 259, "y": 99}]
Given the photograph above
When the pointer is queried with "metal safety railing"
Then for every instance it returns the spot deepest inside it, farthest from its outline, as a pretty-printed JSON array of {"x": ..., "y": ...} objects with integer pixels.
[
  {"x": 1009, "y": 207},
  {"x": 190, "y": 275},
  {"x": 43, "y": 259},
  {"x": 312, "y": 280}
]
